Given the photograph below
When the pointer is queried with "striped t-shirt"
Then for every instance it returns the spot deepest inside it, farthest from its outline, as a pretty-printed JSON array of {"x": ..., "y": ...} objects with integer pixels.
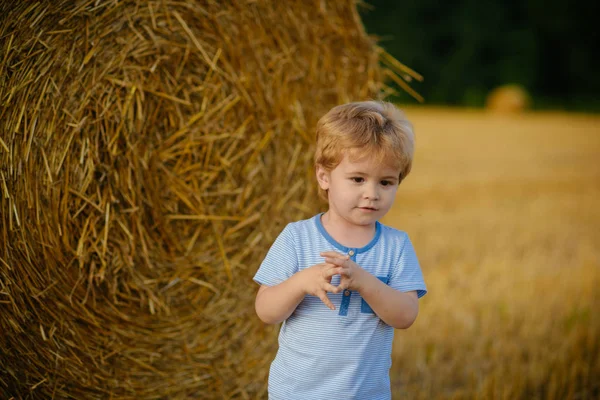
[{"x": 344, "y": 353}]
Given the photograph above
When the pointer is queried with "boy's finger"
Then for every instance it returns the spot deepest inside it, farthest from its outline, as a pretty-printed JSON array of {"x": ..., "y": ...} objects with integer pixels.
[
  {"x": 326, "y": 300},
  {"x": 330, "y": 288},
  {"x": 336, "y": 261},
  {"x": 343, "y": 286},
  {"x": 334, "y": 270},
  {"x": 334, "y": 254}
]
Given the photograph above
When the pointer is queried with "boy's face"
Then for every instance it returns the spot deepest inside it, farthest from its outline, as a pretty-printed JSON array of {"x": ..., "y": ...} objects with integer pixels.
[{"x": 361, "y": 191}]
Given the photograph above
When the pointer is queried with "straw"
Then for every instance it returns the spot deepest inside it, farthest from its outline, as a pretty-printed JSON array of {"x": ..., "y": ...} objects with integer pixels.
[{"x": 150, "y": 152}]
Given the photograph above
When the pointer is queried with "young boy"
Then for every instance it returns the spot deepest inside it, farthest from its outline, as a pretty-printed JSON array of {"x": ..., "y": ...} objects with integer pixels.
[{"x": 341, "y": 281}]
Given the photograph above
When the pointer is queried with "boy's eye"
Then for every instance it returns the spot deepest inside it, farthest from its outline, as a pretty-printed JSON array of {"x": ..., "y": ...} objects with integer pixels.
[
  {"x": 386, "y": 183},
  {"x": 357, "y": 179}
]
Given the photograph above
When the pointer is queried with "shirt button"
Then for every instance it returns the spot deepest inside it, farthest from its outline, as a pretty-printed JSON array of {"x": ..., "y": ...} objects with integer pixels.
[
  {"x": 346, "y": 293},
  {"x": 351, "y": 253}
]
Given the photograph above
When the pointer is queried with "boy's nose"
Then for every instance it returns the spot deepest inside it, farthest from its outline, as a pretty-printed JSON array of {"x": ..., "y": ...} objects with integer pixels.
[{"x": 371, "y": 194}]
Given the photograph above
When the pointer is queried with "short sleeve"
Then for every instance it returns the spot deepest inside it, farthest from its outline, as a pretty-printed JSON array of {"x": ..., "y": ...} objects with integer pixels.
[
  {"x": 407, "y": 275},
  {"x": 281, "y": 262}
]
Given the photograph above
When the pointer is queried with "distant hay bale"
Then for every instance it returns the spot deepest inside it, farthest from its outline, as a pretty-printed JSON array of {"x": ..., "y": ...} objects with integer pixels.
[
  {"x": 149, "y": 154},
  {"x": 508, "y": 99}
]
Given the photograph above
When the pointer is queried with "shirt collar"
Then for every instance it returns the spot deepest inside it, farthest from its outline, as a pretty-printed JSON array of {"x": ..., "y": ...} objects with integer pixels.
[{"x": 339, "y": 246}]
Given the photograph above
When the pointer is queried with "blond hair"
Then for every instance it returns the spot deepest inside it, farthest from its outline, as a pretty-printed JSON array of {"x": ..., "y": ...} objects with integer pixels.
[{"x": 376, "y": 129}]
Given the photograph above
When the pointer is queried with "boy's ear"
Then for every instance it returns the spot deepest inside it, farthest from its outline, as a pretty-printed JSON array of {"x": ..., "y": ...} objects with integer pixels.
[{"x": 322, "y": 177}]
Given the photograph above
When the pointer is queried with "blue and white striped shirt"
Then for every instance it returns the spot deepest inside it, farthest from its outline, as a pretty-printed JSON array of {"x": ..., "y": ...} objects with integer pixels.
[{"x": 342, "y": 354}]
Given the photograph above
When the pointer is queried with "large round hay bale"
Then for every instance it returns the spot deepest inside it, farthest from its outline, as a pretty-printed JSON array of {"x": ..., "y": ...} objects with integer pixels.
[
  {"x": 150, "y": 152},
  {"x": 508, "y": 99}
]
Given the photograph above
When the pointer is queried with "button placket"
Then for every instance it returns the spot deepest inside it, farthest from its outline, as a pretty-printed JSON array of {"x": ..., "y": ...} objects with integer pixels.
[{"x": 347, "y": 293}]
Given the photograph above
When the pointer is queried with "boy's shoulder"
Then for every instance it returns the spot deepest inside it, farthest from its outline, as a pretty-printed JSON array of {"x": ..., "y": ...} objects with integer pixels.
[
  {"x": 302, "y": 226},
  {"x": 299, "y": 228},
  {"x": 394, "y": 234}
]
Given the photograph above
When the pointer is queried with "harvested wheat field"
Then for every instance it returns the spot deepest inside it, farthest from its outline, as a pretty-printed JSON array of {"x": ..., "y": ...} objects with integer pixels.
[{"x": 504, "y": 213}]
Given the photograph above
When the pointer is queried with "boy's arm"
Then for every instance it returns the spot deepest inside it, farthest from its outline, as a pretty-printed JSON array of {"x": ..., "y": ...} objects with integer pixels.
[
  {"x": 274, "y": 304},
  {"x": 395, "y": 308}
]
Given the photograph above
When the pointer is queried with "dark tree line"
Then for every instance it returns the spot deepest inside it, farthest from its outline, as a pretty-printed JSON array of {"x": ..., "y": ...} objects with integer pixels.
[{"x": 466, "y": 48}]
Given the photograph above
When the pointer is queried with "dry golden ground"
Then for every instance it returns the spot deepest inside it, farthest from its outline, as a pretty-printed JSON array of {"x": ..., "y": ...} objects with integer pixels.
[{"x": 504, "y": 212}]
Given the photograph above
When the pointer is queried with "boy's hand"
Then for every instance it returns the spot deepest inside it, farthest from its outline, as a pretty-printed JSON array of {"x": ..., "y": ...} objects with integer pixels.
[
  {"x": 317, "y": 281},
  {"x": 351, "y": 273}
]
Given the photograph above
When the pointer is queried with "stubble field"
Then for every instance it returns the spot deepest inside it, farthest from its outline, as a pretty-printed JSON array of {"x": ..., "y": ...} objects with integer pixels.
[{"x": 504, "y": 213}]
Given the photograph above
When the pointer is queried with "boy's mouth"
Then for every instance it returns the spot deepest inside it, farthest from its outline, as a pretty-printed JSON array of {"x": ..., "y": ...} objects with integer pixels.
[{"x": 368, "y": 208}]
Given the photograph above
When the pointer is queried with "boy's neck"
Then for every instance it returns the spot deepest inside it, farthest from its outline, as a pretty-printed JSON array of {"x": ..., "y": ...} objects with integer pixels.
[{"x": 345, "y": 233}]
